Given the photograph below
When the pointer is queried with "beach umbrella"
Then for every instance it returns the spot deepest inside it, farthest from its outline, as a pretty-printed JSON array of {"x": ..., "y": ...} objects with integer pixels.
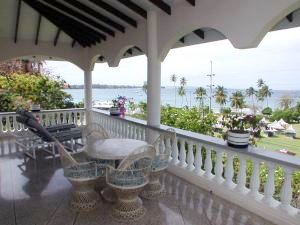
[
  {"x": 290, "y": 130},
  {"x": 276, "y": 125},
  {"x": 282, "y": 123}
]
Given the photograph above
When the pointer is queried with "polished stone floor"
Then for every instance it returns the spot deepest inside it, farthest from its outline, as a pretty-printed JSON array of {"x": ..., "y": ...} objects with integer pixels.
[{"x": 36, "y": 193}]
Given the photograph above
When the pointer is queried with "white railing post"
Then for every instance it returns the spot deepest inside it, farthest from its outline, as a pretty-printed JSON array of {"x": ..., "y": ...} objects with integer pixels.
[
  {"x": 229, "y": 171},
  {"x": 241, "y": 179},
  {"x": 208, "y": 162},
  {"x": 270, "y": 186},
  {"x": 182, "y": 153},
  {"x": 198, "y": 160},
  {"x": 286, "y": 190},
  {"x": 190, "y": 156},
  {"x": 255, "y": 180},
  {"x": 219, "y": 167}
]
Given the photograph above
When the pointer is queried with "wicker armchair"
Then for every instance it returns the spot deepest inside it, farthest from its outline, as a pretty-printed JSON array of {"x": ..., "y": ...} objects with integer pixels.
[
  {"x": 83, "y": 175},
  {"x": 163, "y": 147},
  {"x": 128, "y": 180},
  {"x": 92, "y": 132}
]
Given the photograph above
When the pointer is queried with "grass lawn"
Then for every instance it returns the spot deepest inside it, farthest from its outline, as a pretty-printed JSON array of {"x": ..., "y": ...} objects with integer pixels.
[{"x": 282, "y": 142}]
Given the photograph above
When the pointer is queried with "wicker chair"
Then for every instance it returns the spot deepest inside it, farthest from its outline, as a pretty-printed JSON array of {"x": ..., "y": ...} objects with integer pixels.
[
  {"x": 83, "y": 175},
  {"x": 154, "y": 189},
  {"x": 91, "y": 133},
  {"x": 128, "y": 180}
]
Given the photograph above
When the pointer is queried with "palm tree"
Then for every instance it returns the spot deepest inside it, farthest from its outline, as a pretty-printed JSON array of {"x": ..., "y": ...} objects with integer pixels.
[
  {"x": 181, "y": 93},
  {"x": 221, "y": 96},
  {"x": 251, "y": 92},
  {"x": 260, "y": 82},
  {"x": 183, "y": 82},
  {"x": 265, "y": 92},
  {"x": 174, "y": 80},
  {"x": 237, "y": 100},
  {"x": 200, "y": 95}
]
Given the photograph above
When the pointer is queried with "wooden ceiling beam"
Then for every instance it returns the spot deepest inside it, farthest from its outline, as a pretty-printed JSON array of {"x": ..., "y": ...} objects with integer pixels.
[
  {"x": 200, "y": 33},
  {"x": 96, "y": 14},
  {"x": 290, "y": 17},
  {"x": 45, "y": 12},
  {"x": 192, "y": 2},
  {"x": 79, "y": 16},
  {"x": 162, "y": 5},
  {"x": 134, "y": 7},
  {"x": 114, "y": 12},
  {"x": 73, "y": 43},
  {"x": 69, "y": 23},
  {"x": 57, "y": 36},
  {"x": 38, "y": 29},
  {"x": 17, "y": 21}
]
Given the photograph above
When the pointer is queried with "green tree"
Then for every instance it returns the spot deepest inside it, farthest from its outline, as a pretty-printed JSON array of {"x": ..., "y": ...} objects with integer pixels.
[
  {"x": 200, "y": 96},
  {"x": 21, "y": 90},
  {"x": 237, "y": 100},
  {"x": 174, "y": 80},
  {"x": 221, "y": 96}
]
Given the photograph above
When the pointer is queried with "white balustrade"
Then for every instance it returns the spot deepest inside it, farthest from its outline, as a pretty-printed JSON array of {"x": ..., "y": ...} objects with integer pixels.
[
  {"x": 8, "y": 121},
  {"x": 224, "y": 169}
]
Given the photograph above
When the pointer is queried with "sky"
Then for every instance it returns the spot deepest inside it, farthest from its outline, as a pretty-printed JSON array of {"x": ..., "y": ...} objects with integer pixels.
[{"x": 276, "y": 60}]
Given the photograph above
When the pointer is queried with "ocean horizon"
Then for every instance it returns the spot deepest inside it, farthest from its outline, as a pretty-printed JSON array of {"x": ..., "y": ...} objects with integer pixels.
[{"x": 168, "y": 96}]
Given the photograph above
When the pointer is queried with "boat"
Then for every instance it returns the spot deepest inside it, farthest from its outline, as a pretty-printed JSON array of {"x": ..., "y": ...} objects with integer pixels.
[{"x": 106, "y": 105}]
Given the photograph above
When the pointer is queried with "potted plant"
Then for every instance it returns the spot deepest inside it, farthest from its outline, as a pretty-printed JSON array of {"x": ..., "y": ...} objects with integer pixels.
[
  {"x": 239, "y": 129},
  {"x": 119, "y": 106}
]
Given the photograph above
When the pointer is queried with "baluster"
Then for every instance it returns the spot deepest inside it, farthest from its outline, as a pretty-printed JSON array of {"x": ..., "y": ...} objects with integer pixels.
[
  {"x": 7, "y": 125},
  {"x": 255, "y": 181},
  {"x": 269, "y": 186},
  {"x": 219, "y": 167},
  {"x": 161, "y": 147},
  {"x": 198, "y": 160},
  {"x": 129, "y": 131},
  {"x": 118, "y": 129},
  {"x": 126, "y": 130},
  {"x": 15, "y": 124},
  {"x": 134, "y": 132},
  {"x": 190, "y": 156},
  {"x": 241, "y": 179},
  {"x": 208, "y": 162},
  {"x": 174, "y": 153},
  {"x": 82, "y": 118},
  {"x": 1, "y": 124},
  {"x": 229, "y": 171},
  {"x": 168, "y": 147},
  {"x": 138, "y": 132},
  {"x": 286, "y": 192},
  {"x": 182, "y": 154}
]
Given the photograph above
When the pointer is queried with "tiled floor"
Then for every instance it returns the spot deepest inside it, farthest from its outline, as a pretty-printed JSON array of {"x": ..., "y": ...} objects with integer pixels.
[{"x": 36, "y": 193}]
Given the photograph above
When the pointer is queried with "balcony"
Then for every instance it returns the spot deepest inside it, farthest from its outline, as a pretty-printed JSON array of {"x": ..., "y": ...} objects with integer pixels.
[{"x": 200, "y": 190}]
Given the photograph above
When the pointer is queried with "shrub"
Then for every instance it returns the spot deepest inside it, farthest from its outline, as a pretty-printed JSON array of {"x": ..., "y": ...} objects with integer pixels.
[{"x": 267, "y": 111}]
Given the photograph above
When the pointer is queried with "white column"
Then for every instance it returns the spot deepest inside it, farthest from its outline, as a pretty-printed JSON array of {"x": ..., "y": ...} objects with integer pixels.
[
  {"x": 88, "y": 101},
  {"x": 154, "y": 71}
]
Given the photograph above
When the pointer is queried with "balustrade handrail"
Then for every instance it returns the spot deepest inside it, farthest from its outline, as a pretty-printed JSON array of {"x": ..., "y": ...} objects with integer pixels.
[
  {"x": 45, "y": 111},
  {"x": 217, "y": 143}
]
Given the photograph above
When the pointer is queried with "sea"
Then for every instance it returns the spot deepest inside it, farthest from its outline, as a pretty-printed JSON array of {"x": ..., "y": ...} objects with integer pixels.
[{"x": 168, "y": 96}]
